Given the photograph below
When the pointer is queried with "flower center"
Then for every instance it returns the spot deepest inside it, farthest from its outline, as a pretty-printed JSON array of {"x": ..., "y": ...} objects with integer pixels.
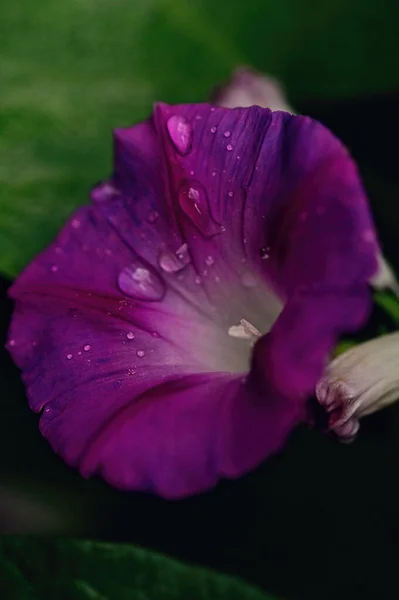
[{"x": 244, "y": 331}]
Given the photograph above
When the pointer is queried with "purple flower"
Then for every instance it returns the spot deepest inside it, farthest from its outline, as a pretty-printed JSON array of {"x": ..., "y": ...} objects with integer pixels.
[
  {"x": 173, "y": 332},
  {"x": 246, "y": 88}
]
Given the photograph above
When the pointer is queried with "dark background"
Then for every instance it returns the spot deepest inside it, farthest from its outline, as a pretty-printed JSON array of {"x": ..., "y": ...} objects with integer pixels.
[{"x": 318, "y": 521}]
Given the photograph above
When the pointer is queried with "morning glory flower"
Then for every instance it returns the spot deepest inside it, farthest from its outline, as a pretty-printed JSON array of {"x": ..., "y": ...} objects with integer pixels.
[
  {"x": 174, "y": 331},
  {"x": 359, "y": 382},
  {"x": 246, "y": 88},
  {"x": 364, "y": 379}
]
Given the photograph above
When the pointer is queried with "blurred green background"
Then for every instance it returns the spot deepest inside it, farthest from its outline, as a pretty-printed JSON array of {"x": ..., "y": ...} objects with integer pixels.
[
  {"x": 72, "y": 71},
  {"x": 320, "y": 520}
]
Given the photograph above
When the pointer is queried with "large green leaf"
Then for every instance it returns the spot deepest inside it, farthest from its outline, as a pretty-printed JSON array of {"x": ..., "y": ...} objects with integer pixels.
[
  {"x": 51, "y": 569},
  {"x": 71, "y": 71}
]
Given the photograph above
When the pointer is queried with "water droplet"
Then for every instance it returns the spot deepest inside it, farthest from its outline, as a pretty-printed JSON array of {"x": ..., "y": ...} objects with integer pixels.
[
  {"x": 194, "y": 202},
  {"x": 209, "y": 260},
  {"x": 173, "y": 262},
  {"x": 11, "y": 343},
  {"x": 169, "y": 262},
  {"x": 217, "y": 279},
  {"x": 130, "y": 335},
  {"x": 54, "y": 268},
  {"x": 248, "y": 280},
  {"x": 191, "y": 172},
  {"x": 368, "y": 236},
  {"x": 108, "y": 252},
  {"x": 230, "y": 194},
  {"x": 87, "y": 347},
  {"x": 103, "y": 191},
  {"x": 213, "y": 129},
  {"x": 140, "y": 353},
  {"x": 197, "y": 279},
  {"x": 205, "y": 272},
  {"x": 80, "y": 353},
  {"x": 75, "y": 223},
  {"x": 229, "y": 147},
  {"x": 142, "y": 283},
  {"x": 183, "y": 254},
  {"x": 264, "y": 252},
  {"x": 155, "y": 334},
  {"x": 69, "y": 356},
  {"x": 227, "y": 134},
  {"x": 180, "y": 133},
  {"x": 152, "y": 216}
]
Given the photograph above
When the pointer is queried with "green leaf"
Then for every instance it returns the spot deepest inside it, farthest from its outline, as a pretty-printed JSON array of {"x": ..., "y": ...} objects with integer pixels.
[
  {"x": 388, "y": 303},
  {"x": 49, "y": 569},
  {"x": 344, "y": 346},
  {"x": 72, "y": 71}
]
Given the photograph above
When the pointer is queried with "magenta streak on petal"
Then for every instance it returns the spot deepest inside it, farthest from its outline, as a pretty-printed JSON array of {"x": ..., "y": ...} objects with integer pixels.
[{"x": 128, "y": 328}]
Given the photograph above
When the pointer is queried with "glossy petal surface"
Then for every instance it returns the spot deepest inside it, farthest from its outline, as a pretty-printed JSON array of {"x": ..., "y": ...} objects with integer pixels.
[{"x": 212, "y": 217}]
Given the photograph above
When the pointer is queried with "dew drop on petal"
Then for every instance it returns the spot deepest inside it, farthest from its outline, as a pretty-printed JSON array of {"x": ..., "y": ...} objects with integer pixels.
[
  {"x": 248, "y": 280},
  {"x": 368, "y": 236},
  {"x": 103, "y": 191},
  {"x": 229, "y": 147},
  {"x": 171, "y": 262},
  {"x": 130, "y": 335},
  {"x": 140, "y": 353},
  {"x": 227, "y": 134},
  {"x": 87, "y": 347},
  {"x": 194, "y": 202},
  {"x": 11, "y": 343},
  {"x": 209, "y": 260},
  {"x": 213, "y": 129},
  {"x": 142, "y": 283},
  {"x": 180, "y": 133},
  {"x": 69, "y": 356},
  {"x": 183, "y": 254},
  {"x": 80, "y": 353},
  {"x": 152, "y": 216},
  {"x": 230, "y": 194},
  {"x": 54, "y": 268},
  {"x": 264, "y": 252},
  {"x": 75, "y": 223},
  {"x": 197, "y": 279}
]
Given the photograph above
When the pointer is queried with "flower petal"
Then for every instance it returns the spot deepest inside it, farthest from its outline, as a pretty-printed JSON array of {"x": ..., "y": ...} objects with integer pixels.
[
  {"x": 125, "y": 327},
  {"x": 359, "y": 382},
  {"x": 246, "y": 88}
]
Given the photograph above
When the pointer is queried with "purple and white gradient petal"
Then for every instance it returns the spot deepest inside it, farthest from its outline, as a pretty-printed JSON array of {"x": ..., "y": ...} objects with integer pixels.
[{"x": 173, "y": 332}]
